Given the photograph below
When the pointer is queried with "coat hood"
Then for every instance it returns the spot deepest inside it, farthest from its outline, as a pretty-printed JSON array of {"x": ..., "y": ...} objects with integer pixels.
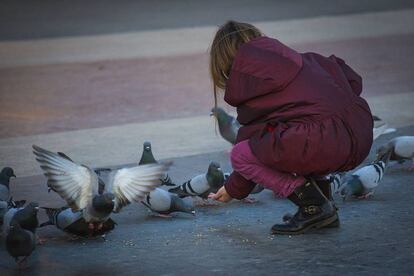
[{"x": 261, "y": 66}]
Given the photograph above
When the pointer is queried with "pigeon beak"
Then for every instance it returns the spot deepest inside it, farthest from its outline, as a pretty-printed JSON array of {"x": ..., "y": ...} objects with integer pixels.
[
  {"x": 13, "y": 175},
  {"x": 36, "y": 208},
  {"x": 193, "y": 213}
]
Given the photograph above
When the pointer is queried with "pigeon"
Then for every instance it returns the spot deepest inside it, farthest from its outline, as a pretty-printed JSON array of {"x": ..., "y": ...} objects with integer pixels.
[
  {"x": 20, "y": 242},
  {"x": 160, "y": 201},
  {"x": 380, "y": 127},
  {"x": 79, "y": 185},
  {"x": 19, "y": 228},
  {"x": 25, "y": 216},
  {"x": 5, "y": 175},
  {"x": 362, "y": 182},
  {"x": 228, "y": 125},
  {"x": 148, "y": 158},
  {"x": 6, "y": 206},
  {"x": 73, "y": 222},
  {"x": 402, "y": 148},
  {"x": 163, "y": 202},
  {"x": 202, "y": 185}
]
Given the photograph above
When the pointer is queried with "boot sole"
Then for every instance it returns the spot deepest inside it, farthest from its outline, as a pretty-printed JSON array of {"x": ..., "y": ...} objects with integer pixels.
[
  {"x": 333, "y": 220},
  {"x": 334, "y": 224}
]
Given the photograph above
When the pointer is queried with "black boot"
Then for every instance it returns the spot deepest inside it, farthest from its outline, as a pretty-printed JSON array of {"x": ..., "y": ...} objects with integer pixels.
[
  {"x": 325, "y": 186},
  {"x": 315, "y": 211}
]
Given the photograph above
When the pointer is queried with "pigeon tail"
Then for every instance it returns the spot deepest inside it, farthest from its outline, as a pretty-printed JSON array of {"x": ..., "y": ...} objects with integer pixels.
[{"x": 179, "y": 191}]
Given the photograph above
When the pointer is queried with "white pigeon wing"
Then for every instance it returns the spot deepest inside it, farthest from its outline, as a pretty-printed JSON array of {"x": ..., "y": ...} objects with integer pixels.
[
  {"x": 404, "y": 146},
  {"x": 76, "y": 184},
  {"x": 134, "y": 184}
]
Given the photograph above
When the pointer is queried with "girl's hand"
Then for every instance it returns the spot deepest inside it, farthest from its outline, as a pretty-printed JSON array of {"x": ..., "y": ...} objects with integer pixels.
[{"x": 221, "y": 195}]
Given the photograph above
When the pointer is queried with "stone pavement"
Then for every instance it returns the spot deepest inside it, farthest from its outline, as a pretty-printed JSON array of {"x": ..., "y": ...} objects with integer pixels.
[{"x": 374, "y": 238}]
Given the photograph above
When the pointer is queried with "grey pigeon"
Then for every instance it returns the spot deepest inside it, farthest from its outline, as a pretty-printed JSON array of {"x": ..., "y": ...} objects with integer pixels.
[
  {"x": 6, "y": 206},
  {"x": 25, "y": 216},
  {"x": 159, "y": 200},
  {"x": 165, "y": 203},
  {"x": 19, "y": 228},
  {"x": 5, "y": 175},
  {"x": 362, "y": 182},
  {"x": 147, "y": 157},
  {"x": 20, "y": 242},
  {"x": 202, "y": 185},
  {"x": 79, "y": 185},
  {"x": 73, "y": 222},
  {"x": 402, "y": 148},
  {"x": 228, "y": 125}
]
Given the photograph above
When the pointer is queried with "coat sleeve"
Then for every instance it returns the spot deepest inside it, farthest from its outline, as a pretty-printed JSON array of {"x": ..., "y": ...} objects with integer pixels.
[
  {"x": 353, "y": 78},
  {"x": 238, "y": 187}
]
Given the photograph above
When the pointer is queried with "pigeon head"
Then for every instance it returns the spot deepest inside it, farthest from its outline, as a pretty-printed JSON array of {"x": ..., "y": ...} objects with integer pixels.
[
  {"x": 104, "y": 203},
  {"x": 352, "y": 187},
  {"x": 7, "y": 171},
  {"x": 215, "y": 176},
  {"x": 179, "y": 205},
  {"x": 147, "y": 146},
  {"x": 32, "y": 208},
  {"x": 147, "y": 157},
  {"x": 5, "y": 175},
  {"x": 221, "y": 115}
]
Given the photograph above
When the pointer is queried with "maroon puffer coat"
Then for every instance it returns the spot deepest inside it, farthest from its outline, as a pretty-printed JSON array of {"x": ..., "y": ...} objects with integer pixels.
[{"x": 302, "y": 113}]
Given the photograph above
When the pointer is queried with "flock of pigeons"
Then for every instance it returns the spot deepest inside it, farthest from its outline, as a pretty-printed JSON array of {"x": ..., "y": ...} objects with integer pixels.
[{"x": 92, "y": 195}]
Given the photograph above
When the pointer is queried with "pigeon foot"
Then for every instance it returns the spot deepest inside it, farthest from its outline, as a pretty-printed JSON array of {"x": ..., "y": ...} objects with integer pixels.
[
  {"x": 40, "y": 241},
  {"x": 22, "y": 264},
  {"x": 161, "y": 215},
  {"x": 366, "y": 196}
]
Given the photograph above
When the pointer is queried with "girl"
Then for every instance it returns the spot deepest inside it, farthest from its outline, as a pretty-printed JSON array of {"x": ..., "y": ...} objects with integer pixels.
[{"x": 302, "y": 118}]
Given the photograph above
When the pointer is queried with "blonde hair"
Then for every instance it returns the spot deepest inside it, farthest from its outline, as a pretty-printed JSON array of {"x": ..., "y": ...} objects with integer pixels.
[{"x": 225, "y": 44}]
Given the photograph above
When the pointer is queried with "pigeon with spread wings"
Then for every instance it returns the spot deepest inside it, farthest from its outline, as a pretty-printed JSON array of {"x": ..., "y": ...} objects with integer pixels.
[{"x": 78, "y": 185}]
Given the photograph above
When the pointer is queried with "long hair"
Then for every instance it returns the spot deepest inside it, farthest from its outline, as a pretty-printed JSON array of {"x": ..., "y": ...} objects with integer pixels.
[{"x": 225, "y": 44}]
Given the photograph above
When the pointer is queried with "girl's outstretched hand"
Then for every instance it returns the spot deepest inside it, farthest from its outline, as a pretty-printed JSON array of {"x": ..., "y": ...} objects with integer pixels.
[{"x": 221, "y": 195}]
